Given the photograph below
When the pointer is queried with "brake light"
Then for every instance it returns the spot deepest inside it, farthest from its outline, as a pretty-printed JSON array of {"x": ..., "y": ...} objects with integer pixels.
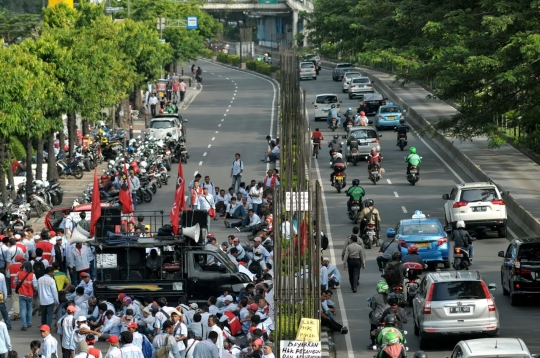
[
  {"x": 520, "y": 271},
  {"x": 457, "y": 251},
  {"x": 441, "y": 241},
  {"x": 383, "y": 102},
  {"x": 376, "y": 140},
  {"x": 364, "y": 103},
  {"x": 402, "y": 243},
  {"x": 381, "y": 117},
  {"x": 427, "y": 302},
  {"x": 402, "y": 116},
  {"x": 351, "y": 86},
  {"x": 491, "y": 302},
  {"x": 497, "y": 202},
  {"x": 459, "y": 204},
  {"x": 316, "y": 107},
  {"x": 370, "y": 85}
]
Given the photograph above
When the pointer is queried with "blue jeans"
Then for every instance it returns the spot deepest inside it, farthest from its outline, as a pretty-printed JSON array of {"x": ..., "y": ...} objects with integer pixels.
[
  {"x": 236, "y": 180},
  {"x": 47, "y": 312},
  {"x": 241, "y": 223},
  {"x": 330, "y": 118},
  {"x": 60, "y": 309},
  {"x": 5, "y": 314},
  {"x": 238, "y": 212},
  {"x": 134, "y": 196},
  {"x": 26, "y": 310},
  {"x": 92, "y": 270},
  {"x": 256, "y": 208},
  {"x": 471, "y": 250}
]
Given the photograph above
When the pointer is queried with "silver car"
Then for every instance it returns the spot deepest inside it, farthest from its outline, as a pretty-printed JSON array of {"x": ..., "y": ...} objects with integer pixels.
[
  {"x": 347, "y": 77},
  {"x": 454, "y": 303},
  {"x": 367, "y": 138},
  {"x": 307, "y": 71},
  {"x": 492, "y": 347},
  {"x": 359, "y": 86}
]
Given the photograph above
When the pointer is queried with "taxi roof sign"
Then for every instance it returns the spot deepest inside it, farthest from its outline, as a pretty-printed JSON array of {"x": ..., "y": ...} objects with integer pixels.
[{"x": 418, "y": 215}]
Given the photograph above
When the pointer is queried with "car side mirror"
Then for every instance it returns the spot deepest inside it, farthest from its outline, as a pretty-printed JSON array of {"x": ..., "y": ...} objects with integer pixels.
[
  {"x": 501, "y": 254},
  {"x": 492, "y": 286},
  {"x": 390, "y": 233},
  {"x": 448, "y": 229},
  {"x": 344, "y": 136},
  {"x": 446, "y": 197},
  {"x": 380, "y": 135},
  {"x": 372, "y": 82}
]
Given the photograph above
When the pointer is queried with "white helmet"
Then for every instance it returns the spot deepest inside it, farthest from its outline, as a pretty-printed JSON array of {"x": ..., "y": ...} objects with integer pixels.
[
  {"x": 460, "y": 224},
  {"x": 338, "y": 155}
]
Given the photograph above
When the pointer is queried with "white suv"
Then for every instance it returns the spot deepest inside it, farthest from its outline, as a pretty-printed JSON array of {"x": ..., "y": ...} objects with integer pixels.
[
  {"x": 479, "y": 205},
  {"x": 492, "y": 347}
]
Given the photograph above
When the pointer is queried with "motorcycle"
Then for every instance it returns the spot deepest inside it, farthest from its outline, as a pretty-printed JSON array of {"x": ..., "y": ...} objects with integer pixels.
[
  {"x": 397, "y": 291},
  {"x": 69, "y": 169},
  {"x": 413, "y": 177},
  {"x": 412, "y": 283},
  {"x": 354, "y": 214},
  {"x": 461, "y": 259},
  {"x": 333, "y": 124},
  {"x": 370, "y": 236},
  {"x": 374, "y": 175},
  {"x": 339, "y": 181},
  {"x": 354, "y": 156},
  {"x": 402, "y": 141}
]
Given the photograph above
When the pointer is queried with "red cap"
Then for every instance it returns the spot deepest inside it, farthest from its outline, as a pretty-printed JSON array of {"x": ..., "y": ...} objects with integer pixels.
[
  {"x": 210, "y": 236},
  {"x": 19, "y": 258},
  {"x": 258, "y": 342},
  {"x": 52, "y": 233},
  {"x": 251, "y": 329},
  {"x": 71, "y": 309},
  {"x": 44, "y": 327},
  {"x": 85, "y": 274},
  {"x": 120, "y": 297},
  {"x": 132, "y": 325},
  {"x": 112, "y": 339},
  {"x": 253, "y": 307}
]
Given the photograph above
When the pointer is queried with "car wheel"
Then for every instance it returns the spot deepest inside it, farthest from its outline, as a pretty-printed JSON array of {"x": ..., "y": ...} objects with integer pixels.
[
  {"x": 505, "y": 291},
  {"x": 315, "y": 78},
  {"x": 345, "y": 90},
  {"x": 514, "y": 300},
  {"x": 501, "y": 232},
  {"x": 447, "y": 264},
  {"x": 416, "y": 329}
]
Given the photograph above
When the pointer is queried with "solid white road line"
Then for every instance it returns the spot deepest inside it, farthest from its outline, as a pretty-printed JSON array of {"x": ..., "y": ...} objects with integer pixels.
[
  {"x": 200, "y": 163},
  {"x": 404, "y": 209}
]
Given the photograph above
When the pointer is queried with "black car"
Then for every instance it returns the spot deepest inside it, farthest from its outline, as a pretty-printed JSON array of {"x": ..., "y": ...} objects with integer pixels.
[
  {"x": 340, "y": 69},
  {"x": 520, "y": 271},
  {"x": 371, "y": 103}
]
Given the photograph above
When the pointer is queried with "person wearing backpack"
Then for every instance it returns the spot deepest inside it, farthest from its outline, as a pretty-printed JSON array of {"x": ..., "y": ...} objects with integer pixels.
[
  {"x": 26, "y": 286},
  {"x": 48, "y": 296},
  {"x": 39, "y": 264},
  {"x": 255, "y": 265},
  {"x": 180, "y": 331},
  {"x": 237, "y": 169},
  {"x": 394, "y": 309},
  {"x": 394, "y": 272},
  {"x": 387, "y": 249},
  {"x": 164, "y": 343},
  {"x": 378, "y": 305}
]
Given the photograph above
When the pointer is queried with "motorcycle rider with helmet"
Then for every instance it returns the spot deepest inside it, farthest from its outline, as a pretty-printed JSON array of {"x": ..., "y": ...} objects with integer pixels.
[
  {"x": 389, "y": 326},
  {"x": 352, "y": 143},
  {"x": 402, "y": 128},
  {"x": 374, "y": 158},
  {"x": 348, "y": 118},
  {"x": 395, "y": 310},
  {"x": 463, "y": 239},
  {"x": 412, "y": 255},
  {"x": 413, "y": 159},
  {"x": 339, "y": 166},
  {"x": 335, "y": 145},
  {"x": 361, "y": 119},
  {"x": 378, "y": 304},
  {"x": 393, "y": 348},
  {"x": 355, "y": 192},
  {"x": 370, "y": 215},
  {"x": 333, "y": 113}
]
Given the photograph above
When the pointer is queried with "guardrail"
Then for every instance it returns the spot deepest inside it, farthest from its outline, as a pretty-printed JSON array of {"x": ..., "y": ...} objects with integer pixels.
[{"x": 465, "y": 162}]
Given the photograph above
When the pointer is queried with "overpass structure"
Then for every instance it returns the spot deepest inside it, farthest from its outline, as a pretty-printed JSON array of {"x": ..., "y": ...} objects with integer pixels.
[{"x": 277, "y": 20}]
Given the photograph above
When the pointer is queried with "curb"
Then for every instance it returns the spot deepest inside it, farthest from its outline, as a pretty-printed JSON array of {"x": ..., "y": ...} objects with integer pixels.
[{"x": 517, "y": 213}]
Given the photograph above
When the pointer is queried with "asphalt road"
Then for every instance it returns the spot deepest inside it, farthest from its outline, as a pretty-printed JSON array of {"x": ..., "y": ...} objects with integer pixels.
[
  {"x": 233, "y": 113},
  {"x": 396, "y": 199}
]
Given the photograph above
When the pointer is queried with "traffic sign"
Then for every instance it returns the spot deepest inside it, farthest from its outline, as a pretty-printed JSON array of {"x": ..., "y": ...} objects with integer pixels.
[{"x": 192, "y": 22}]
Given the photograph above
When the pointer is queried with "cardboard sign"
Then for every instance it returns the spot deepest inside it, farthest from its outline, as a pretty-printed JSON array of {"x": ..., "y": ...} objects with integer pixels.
[
  {"x": 300, "y": 349},
  {"x": 308, "y": 330}
]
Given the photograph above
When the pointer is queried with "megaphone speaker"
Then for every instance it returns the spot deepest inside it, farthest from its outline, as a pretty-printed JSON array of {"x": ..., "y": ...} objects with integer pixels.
[
  {"x": 192, "y": 232},
  {"x": 79, "y": 235}
]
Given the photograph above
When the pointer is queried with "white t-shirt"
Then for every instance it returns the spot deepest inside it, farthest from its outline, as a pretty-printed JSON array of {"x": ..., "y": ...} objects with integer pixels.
[{"x": 256, "y": 199}]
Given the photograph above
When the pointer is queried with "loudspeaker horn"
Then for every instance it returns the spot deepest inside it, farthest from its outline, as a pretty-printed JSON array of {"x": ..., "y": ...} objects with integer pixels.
[
  {"x": 192, "y": 232},
  {"x": 80, "y": 235}
]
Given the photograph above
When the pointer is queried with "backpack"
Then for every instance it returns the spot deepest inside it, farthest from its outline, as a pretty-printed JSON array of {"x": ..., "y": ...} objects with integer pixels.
[
  {"x": 369, "y": 215},
  {"x": 324, "y": 241},
  {"x": 39, "y": 268},
  {"x": 399, "y": 322},
  {"x": 146, "y": 348},
  {"x": 255, "y": 267},
  {"x": 163, "y": 352},
  {"x": 391, "y": 274}
]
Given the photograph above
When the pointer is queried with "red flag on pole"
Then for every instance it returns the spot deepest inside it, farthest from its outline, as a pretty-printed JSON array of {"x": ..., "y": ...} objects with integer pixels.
[
  {"x": 125, "y": 196},
  {"x": 179, "y": 200},
  {"x": 96, "y": 205}
]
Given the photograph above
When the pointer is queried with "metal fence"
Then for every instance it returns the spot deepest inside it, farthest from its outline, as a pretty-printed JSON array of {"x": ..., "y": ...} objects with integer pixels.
[{"x": 298, "y": 202}]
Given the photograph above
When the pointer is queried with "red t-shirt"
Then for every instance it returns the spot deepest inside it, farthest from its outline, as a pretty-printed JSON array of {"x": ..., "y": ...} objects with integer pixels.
[
  {"x": 372, "y": 159},
  {"x": 317, "y": 135}
]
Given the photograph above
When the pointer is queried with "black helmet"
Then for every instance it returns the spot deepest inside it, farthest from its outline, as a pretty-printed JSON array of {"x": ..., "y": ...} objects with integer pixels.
[
  {"x": 420, "y": 354},
  {"x": 336, "y": 136},
  {"x": 370, "y": 202},
  {"x": 356, "y": 182},
  {"x": 401, "y": 121},
  {"x": 396, "y": 256},
  {"x": 390, "y": 320},
  {"x": 333, "y": 106},
  {"x": 392, "y": 300}
]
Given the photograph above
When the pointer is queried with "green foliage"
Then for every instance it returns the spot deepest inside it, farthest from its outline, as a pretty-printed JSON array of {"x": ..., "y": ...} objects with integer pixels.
[
  {"x": 263, "y": 68},
  {"x": 234, "y": 60},
  {"x": 251, "y": 65},
  {"x": 208, "y": 53},
  {"x": 222, "y": 57},
  {"x": 14, "y": 25},
  {"x": 18, "y": 150}
]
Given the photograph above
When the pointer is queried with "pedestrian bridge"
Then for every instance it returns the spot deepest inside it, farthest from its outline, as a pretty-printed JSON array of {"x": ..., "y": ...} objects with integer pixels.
[{"x": 259, "y": 5}]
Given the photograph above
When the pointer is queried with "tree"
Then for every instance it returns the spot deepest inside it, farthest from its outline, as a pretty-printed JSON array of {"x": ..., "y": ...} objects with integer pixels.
[{"x": 14, "y": 25}]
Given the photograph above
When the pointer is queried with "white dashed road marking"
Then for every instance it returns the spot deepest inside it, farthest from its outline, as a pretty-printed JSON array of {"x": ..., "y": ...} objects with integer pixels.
[
  {"x": 404, "y": 210},
  {"x": 204, "y": 154},
  {"x": 200, "y": 163},
  {"x": 388, "y": 180},
  {"x": 213, "y": 138},
  {"x": 396, "y": 194}
]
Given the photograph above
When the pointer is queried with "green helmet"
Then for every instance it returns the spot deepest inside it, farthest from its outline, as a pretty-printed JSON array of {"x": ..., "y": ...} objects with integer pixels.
[
  {"x": 391, "y": 338},
  {"x": 412, "y": 150},
  {"x": 382, "y": 287}
]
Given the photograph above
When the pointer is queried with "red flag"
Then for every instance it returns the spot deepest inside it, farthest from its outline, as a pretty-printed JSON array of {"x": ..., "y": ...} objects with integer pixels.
[
  {"x": 96, "y": 205},
  {"x": 304, "y": 237},
  {"x": 125, "y": 196},
  {"x": 179, "y": 200}
]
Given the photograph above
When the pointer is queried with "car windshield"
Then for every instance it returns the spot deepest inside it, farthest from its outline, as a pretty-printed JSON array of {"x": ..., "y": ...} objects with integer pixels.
[
  {"x": 360, "y": 80},
  {"x": 306, "y": 65},
  {"x": 474, "y": 195},
  {"x": 448, "y": 291},
  {"x": 375, "y": 97},
  {"x": 352, "y": 74},
  {"x": 161, "y": 124},
  {"x": 393, "y": 109},
  {"x": 529, "y": 252},
  {"x": 420, "y": 229},
  {"x": 325, "y": 99},
  {"x": 364, "y": 134}
]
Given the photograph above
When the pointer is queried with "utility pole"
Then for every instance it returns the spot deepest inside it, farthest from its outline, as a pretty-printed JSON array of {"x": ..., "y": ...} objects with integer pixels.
[{"x": 129, "y": 8}]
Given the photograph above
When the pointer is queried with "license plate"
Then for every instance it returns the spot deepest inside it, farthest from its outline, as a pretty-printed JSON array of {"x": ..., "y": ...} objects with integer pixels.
[
  {"x": 391, "y": 118},
  {"x": 413, "y": 171},
  {"x": 363, "y": 143},
  {"x": 355, "y": 208},
  {"x": 422, "y": 244},
  {"x": 461, "y": 309},
  {"x": 375, "y": 173},
  {"x": 479, "y": 208},
  {"x": 339, "y": 178}
]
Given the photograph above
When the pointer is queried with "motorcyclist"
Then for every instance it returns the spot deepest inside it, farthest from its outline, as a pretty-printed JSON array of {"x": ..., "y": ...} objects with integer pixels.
[
  {"x": 413, "y": 159},
  {"x": 389, "y": 323},
  {"x": 339, "y": 166},
  {"x": 362, "y": 119},
  {"x": 198, "y": 74},
  {"x": 412, "y": 255},
  {"x": 335, "y": 145},
  {"x": 374, "y": 158},
  {"x": 348, "y": 118},
  {"x": 394, "y": 309},
  {"x": 370, "y": 215},
  {"x": 333, "y": 113},
  {"x": 378, "y": 304},
  {"x": 355, "y": 193},
  {"x": 463, "y": 239},
  {"x": 398, "y": 279},
  {"x": 402, "y": 128},
  {"x": 352, "y": 142},
  {"x": 317, "y": 135},
  {"x": 393, "y": 348}
]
